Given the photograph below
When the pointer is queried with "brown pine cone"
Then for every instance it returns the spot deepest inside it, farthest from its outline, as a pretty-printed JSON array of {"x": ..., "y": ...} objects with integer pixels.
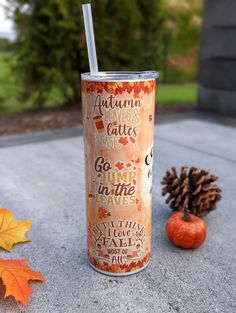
[{"x": 193, "y": 189}]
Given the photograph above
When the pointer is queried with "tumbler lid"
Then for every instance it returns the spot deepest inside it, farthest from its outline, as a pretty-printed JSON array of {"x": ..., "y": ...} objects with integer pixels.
[{"x": 122, "y": 76}]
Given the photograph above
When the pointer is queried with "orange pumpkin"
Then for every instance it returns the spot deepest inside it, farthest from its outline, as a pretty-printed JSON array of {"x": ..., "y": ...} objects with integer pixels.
[{"x": 186, "y": 230}]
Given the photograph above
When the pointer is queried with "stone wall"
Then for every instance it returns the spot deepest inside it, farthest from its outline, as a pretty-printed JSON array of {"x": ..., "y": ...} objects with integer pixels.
[{"x": 217, "y": 76}]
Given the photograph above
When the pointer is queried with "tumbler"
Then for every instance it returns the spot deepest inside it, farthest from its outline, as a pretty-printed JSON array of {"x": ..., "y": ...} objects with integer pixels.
[{"x": 118, "y": 125}]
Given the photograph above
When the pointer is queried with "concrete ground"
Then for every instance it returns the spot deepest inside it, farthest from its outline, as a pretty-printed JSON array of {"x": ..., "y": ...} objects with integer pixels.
[{"x": 42, "y": 179}]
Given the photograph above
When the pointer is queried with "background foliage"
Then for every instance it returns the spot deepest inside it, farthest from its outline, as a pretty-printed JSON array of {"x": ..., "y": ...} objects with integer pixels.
[
  {"x": 50, "y": 49},
  {"x": 181, "y": 33}
]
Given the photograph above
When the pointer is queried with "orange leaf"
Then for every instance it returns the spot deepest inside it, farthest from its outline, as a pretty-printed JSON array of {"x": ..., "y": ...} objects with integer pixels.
[
  {"x": 132, "y": 139},
  {"x": 123, "y": 141},
  {"x": 11, "y": 230},
  {"x": 15, "y": 275},
  {"x": 103, "y": 213},
  {"x": 119, "y": 165}
]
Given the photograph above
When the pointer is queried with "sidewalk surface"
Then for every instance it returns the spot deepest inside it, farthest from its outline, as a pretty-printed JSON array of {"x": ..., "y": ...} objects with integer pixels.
[{"x": 44, "y": 181}]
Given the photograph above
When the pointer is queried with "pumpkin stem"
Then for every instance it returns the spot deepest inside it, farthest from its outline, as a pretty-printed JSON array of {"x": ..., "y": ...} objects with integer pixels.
[{"x": 186, "y": 216}]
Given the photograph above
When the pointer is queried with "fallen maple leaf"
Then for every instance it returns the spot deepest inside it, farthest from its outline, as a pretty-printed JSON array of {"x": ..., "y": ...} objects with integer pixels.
[
  {"x": 11, "y": 230},
  {"x": 15, "y": 275}
]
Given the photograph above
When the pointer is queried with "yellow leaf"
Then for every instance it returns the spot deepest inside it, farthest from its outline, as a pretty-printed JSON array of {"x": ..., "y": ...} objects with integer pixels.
[{"x": 11, "y": 230}]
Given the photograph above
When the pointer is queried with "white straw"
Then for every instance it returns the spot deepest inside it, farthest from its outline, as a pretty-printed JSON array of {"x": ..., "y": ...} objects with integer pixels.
[{"x": 88, "y": 24}]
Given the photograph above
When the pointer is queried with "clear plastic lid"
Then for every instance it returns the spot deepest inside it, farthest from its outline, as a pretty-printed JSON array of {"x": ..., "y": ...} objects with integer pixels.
[{"x": 121, "y": 76}]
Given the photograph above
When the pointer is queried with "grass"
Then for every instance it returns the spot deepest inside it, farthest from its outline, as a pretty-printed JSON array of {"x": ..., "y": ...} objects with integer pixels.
[
  {"x": 177, "y": 94},
  {"x": 11, "y": 87}
]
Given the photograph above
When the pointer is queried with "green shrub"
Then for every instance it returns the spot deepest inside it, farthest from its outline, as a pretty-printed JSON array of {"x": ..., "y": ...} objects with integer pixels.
[{"x": 51, "y": 45}]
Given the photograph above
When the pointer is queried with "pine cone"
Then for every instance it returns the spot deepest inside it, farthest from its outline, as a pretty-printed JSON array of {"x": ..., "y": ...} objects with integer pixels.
[{"x": 192, "y": 189}]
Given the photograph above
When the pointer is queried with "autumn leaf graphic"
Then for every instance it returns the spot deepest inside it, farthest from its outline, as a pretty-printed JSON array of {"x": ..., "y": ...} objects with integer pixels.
[
  {"x": 136, "y": 95},
  {"x": 133, "y": 255},
  {"x": 121, "y": 268},
  {"x": 137, "y": 160},
  {"x": 103, "y": 213},
  {"x": 138, "y": 88},
  {"x": 119, "y": 165},
  {"x": 102, "y": 254},
  {"x": 132, "y": 139},
  {"x": 11, "y": 230},
  {"x": 123, "y": 141}
]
